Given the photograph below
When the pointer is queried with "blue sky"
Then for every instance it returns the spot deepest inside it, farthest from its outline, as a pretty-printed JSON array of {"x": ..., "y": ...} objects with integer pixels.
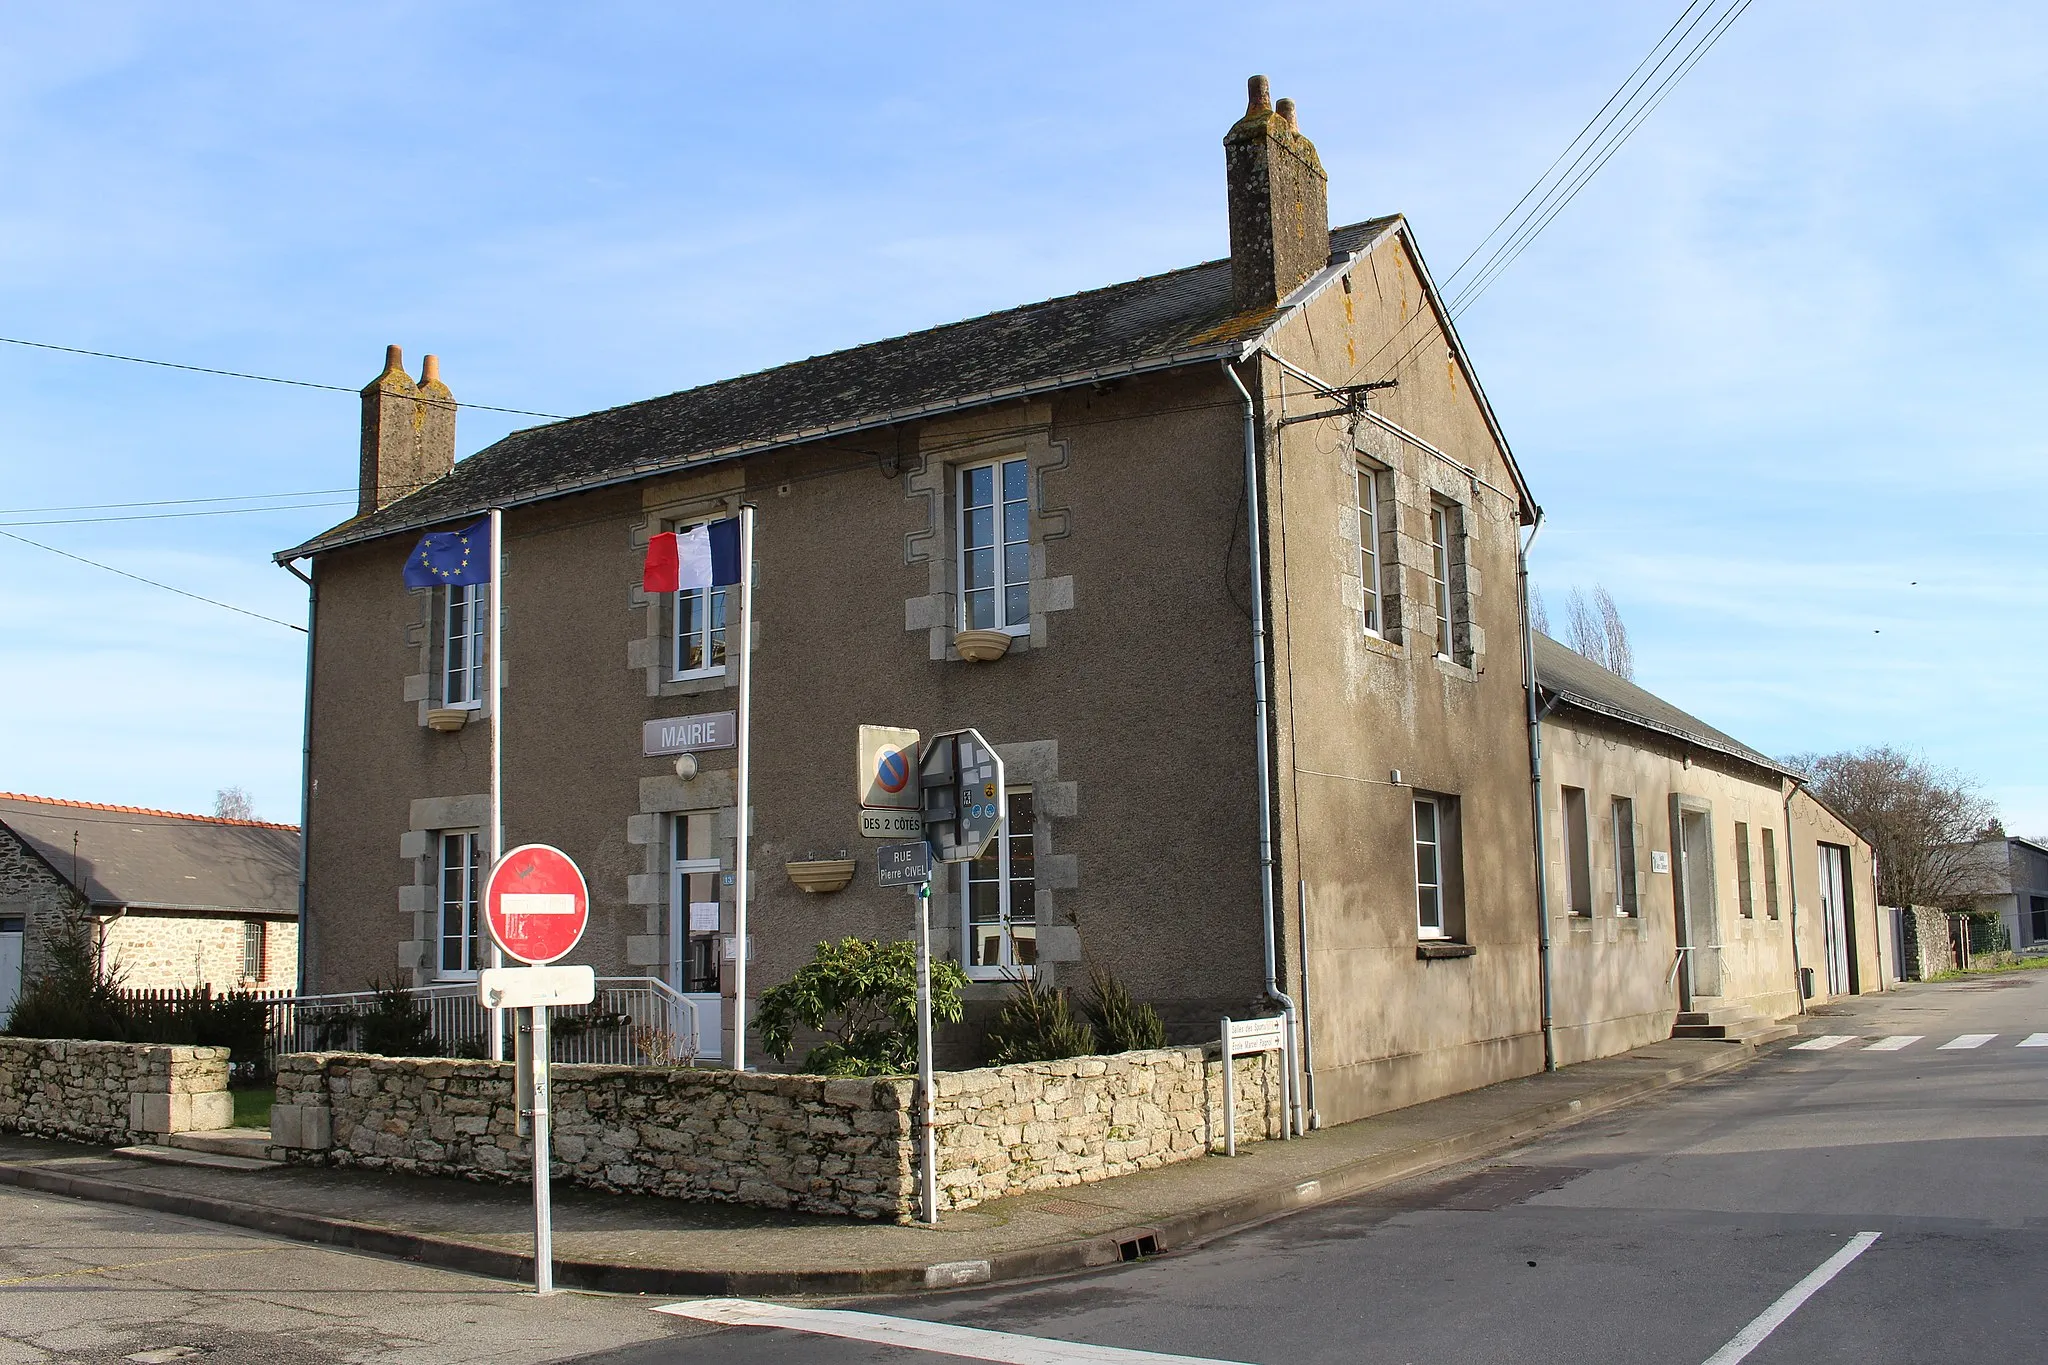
[{"x": 1769, "y": 374}]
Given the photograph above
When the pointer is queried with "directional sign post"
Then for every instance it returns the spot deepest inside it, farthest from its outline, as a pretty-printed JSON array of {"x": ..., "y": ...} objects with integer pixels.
[
  {"x": 903, "y": 864},
  {"x": 961, "y": 781},
  {"x": 537, "y": 905}
]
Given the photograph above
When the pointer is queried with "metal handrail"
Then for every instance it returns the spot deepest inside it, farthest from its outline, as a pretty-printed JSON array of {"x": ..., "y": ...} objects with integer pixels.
[{"x": 633, "y": 1021}]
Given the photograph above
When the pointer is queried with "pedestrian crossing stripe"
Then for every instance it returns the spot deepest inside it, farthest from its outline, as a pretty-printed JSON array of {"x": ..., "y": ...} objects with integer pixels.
[
  {"x": 1963, "y": 1042},
  {"x": 1899, "y": 1042},
  {"x": 1896, "y": 1043},
  {"x": 2033, "y": 1040},
  {"x": 1824, "y": 1042}
]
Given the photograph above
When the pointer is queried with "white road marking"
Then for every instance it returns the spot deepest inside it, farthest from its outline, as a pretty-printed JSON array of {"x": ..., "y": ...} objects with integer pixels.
[
  {"x": 915, "y": 1334},
  {"x": 1768, "y": 1321},
  {"x": 1824, "y": 1042},
  {"x": 1964, "y": 1041},
  {"x": 2033, "y": 1040},
  {"x": 1895, "y": 1043}
]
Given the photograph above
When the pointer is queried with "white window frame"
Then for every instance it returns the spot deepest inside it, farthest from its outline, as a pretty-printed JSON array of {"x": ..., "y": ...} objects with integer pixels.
[
  {"x": 1369, "y": 550},
  {"x": 467, "y": 844},
  {"x": 1435, "y": 845},
  {"x": 999, "y": 547},
  {"x": 463, "y": 650},
  {"x": 1440, "y": 575},
  {"x": 1627, "y": 902},
  {"x": 716, "y": 607},
  {"x": 680, "y": 870},
  {"x": 1009, "y": 968}
]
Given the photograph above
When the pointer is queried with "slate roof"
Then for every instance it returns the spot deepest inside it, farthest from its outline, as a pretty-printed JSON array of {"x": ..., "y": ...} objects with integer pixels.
[
  {"x": 1578, "y": 681},
  {"x": 1159, "y": 322},
  {"x": 129, "y": 856}
]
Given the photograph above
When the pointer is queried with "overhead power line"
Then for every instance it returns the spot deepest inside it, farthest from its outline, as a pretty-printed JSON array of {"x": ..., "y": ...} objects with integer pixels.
[
  {"x": 210, "y": 601},
  {"x": 174, "y": 516},
  {"x": 259, "y": 378},
  {"x": 169, "y": 502}
]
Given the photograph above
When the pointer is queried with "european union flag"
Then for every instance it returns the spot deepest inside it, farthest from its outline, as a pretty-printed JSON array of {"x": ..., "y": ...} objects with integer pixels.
[{"x": 454, "y": 558}]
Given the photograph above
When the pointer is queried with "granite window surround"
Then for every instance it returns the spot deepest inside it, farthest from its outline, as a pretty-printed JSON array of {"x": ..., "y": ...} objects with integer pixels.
[
  {"x": 420, "y": 898},
  {"x": 661, "y": 799},
  {"x": 1034, "y": 764},
  {"x": 946, "y": 452},
  {"x": 427, "y": 639},
  {"x": 650, "y": 650}
]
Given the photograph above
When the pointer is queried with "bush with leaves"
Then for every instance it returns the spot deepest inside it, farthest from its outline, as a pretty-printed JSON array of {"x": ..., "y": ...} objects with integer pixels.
[
  {"x": 74, "y": 995},
  {"x": 862, "y": 995},
  {"x": 1121, "y": 1023},
  {"x": 393, "y": 1024},
  {"x": 1037, "y": 1025}
]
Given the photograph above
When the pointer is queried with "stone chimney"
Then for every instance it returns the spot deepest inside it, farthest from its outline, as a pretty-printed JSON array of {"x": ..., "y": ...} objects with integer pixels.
[
  {"x": 1279, "y": 202},
  {"x": 408, "y": 432}
]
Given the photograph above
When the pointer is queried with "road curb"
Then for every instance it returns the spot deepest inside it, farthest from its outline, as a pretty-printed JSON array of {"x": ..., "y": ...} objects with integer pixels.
[{"x": 1175, "y": 1233}]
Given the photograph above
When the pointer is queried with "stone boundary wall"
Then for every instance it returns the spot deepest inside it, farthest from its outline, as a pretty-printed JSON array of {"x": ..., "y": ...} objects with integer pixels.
[
  {"x": 112, "y": 1093},
  {"x": 806, "y": 1143}
]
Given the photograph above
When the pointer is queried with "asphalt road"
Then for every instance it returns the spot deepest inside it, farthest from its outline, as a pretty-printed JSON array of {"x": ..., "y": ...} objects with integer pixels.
[{"x": 1656, "y": 1234}]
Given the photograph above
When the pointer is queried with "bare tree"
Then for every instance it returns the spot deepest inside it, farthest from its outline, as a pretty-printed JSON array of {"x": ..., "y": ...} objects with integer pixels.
[
  {"x": 1923, "y": 822},
  {"x": 1594, "y": 628},
  {"x": 233, "y": 803},
  {"x": 1620, "y": 658},
  {"x": 1539, "y": 613}
]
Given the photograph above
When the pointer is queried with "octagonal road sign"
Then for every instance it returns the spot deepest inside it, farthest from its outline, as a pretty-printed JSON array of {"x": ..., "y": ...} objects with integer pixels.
[
  {"x": 961, "y": 778},
  {"x": 536, "y": 903}
]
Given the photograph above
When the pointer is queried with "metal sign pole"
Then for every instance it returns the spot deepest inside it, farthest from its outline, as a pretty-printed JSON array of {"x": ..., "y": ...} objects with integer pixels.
[
  {"x": 928, "y": 1142},
  {"x": 543, "y": 1208},
  {"x": 496, "y": 1045},
  {"x": 742, "y": 792},
  {"x": 1229, "y": 1092}
]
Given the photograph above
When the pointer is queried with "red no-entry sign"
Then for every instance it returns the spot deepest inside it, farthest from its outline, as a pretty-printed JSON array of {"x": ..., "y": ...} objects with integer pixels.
[{"x": 536, "y": 903}]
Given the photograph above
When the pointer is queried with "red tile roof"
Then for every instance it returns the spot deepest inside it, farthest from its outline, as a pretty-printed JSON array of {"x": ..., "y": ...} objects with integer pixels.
[{"x": 143, "y": 810}]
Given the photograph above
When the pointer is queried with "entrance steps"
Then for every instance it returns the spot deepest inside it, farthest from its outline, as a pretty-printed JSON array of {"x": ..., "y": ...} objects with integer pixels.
[
  {"x": 224, "y": 1149},
  {"x": 1730, "y": 1023}
]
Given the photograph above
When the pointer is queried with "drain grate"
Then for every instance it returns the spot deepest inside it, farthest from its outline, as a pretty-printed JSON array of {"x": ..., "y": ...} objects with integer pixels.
[
  {"x": 1497, "y": 1187},
  {"x": 1139, "y": 1247}
]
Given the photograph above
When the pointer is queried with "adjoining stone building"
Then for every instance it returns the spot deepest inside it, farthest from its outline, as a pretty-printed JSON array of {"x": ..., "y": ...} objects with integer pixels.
[
  {"x": 1688, "y": 879},
  {"x": 173, "y": 900},
  {"x": 1073, "y": 475}
]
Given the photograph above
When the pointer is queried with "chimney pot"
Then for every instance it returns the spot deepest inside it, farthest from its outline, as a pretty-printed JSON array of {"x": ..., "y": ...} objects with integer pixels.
[
  {"x": 430, "y": 371},
  {"x": 1285, "y": 109},
  {"x": 1260, "y": 93}
]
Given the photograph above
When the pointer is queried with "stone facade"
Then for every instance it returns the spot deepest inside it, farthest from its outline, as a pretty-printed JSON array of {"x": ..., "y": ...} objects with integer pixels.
[
  {"x": 114, "y": 1093},
  {"x": 151, "y": 950},
  {"x": 1929, "y": 948},
  {"x": 805, "y": 1143},
  {"x": 30, "y": 888}
]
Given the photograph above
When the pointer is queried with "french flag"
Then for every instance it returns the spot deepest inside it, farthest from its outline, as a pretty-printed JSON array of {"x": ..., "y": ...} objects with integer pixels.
[{"x": 706, "y": 556}]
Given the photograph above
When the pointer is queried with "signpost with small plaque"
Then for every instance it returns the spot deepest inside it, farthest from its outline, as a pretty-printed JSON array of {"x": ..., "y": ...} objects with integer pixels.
[{"x": 961, "y": 778}]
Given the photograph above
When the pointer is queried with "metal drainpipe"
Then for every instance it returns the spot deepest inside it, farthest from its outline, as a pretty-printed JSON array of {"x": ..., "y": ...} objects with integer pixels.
[
  {"x": 1536, "y": 716},
  {"x": 1792, "y": 895},
  {"x": 305, "y": 772},
  {"x": 1308, "y": 1039},
  {"x": 1261, "y": 710}
]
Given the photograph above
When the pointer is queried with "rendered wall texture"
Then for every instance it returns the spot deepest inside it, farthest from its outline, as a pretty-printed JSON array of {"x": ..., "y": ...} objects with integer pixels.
[
  {"x": 804, "y": 1143},
  {"x": 113, "y": 1093}
]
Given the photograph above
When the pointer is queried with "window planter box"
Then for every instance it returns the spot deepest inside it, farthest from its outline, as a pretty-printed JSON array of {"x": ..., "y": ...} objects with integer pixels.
[
  {"x": 981, "y": 646},
  {"x": 447, "y": 719},
  {"x": 821, "y": 875}
]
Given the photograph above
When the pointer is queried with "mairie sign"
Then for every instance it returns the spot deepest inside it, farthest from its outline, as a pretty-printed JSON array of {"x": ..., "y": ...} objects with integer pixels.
[{"x": 687, "y": 734}]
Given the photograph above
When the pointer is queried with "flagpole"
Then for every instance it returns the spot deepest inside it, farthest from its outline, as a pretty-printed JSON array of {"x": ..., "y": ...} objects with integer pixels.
[
  {"x": 742, "y": 794},
  {"x": 497, "y": 954}
]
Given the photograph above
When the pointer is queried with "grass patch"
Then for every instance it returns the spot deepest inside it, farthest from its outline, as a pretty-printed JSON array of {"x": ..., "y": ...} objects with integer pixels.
[
  {"x": 2017, "y": 964},
  {"x": 252, "y": 1105}
]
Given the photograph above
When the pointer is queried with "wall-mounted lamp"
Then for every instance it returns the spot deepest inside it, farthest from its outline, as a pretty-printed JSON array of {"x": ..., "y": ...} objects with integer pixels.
[
  {"x": 686, "y": 766},
  {"x": 1395, "y": 777}
]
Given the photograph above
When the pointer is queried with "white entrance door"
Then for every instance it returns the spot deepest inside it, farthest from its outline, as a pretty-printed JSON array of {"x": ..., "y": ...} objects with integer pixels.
[{"x": 11, "y": 936}]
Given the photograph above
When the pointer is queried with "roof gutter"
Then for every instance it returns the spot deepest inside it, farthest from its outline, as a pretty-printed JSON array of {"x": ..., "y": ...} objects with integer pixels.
[
  {"x": 1571, "y": 698},
  {"x": 1178, "y": 360}
]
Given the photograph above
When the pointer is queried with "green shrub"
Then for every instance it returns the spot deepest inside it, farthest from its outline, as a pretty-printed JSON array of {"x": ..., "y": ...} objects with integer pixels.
[
  {"x": 73, "y": 996},
  {"x": 393, "y": 1024},
  {"x": 862, "y": 995},
  {"x": 1037, "y": 1025},
  {"x": 1121, "y": 1023}
]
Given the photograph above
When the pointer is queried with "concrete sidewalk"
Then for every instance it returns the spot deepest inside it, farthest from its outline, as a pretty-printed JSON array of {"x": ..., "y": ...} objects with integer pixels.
[{"x": 629, "y": 1244}]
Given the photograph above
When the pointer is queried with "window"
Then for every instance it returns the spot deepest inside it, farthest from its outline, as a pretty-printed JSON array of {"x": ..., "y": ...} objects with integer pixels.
[
  {"x": 1625, "y": 903},
  {"x": 1440, "y": 574},
  {"x": 254, "y": 966},
  {"x": 1439, "y": 885},
  {"x": 1770, "y": 873},
  {"x": 1745, "y": 900},
  {"x": 1369, "y": 548},
  {"x": 461, "y": 928},
  {"x": 999, "y": 891},
  {"x": 995, "y": 547},
  {"x": 699, "y": 629},
  {"x": 2037, "y": 911},
  {"x": 693, "y": 907},
  {"x": 464, "y": 640},
  {"x": 1578, "y": 851}
]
